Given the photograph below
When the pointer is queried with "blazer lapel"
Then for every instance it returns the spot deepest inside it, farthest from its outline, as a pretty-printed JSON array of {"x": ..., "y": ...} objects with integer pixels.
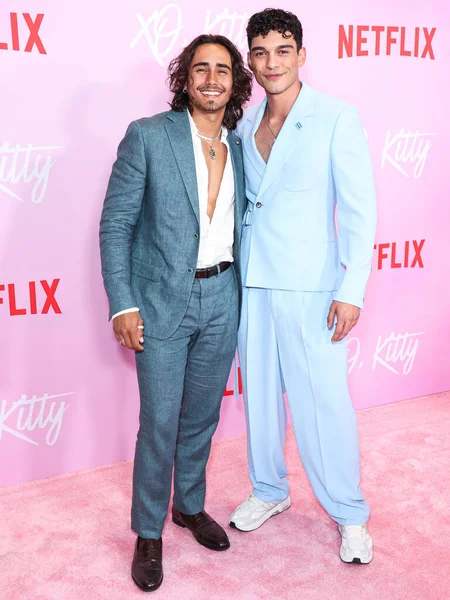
[
  {"x": 180, "y": 138},
  {"x": 250, "y": 145},
  {"x": 292, "y": 130},
  {"x": 236, "y": 161}
]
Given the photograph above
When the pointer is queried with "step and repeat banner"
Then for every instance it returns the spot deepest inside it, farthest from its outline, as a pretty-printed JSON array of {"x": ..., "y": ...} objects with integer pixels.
[{"x": 73, "y": 75}]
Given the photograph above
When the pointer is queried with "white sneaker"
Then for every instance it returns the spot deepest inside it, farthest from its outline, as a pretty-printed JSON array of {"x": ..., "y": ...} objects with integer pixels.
[
  {"x": 356, "y": 546},
  {"x": 252, "y": 513}
]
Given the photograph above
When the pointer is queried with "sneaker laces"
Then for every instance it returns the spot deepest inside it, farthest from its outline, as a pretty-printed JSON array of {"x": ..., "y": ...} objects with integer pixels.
[
  {"x": 252, "y": 499},
  {"x": 356, "y": 531}
]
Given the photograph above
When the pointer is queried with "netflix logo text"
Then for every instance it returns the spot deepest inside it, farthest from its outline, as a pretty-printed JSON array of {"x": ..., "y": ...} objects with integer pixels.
[
  {"x": 23, "y": 34},
  {"x": 398, "y": 255},
  {"x": 34, "y": 298},
  {"x": 380, "y": 40}
]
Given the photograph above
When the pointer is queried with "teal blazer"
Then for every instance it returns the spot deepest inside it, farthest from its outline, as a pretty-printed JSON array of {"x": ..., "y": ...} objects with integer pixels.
[{"x": 150, "y": 225}]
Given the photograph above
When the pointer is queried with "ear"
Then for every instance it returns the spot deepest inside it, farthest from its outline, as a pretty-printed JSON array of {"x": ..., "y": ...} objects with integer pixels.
[
  {"x": 301, "y": 57},
  {"x": 249, "y": 61}
]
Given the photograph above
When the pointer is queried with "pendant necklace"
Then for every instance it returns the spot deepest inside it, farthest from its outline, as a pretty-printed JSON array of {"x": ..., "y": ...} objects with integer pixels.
[
  {"x": 270, "y": 128},
  {"x": 210, "y": 141}
]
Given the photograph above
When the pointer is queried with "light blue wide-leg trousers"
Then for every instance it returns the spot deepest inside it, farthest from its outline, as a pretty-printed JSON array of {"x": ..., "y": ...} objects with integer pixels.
[{"x": 284, "y": 342}]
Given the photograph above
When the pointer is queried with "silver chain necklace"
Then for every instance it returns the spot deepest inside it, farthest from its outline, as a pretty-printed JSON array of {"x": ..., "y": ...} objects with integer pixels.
[
  {"x": 270, "y": 128},
  {"x": 212, "y": 152}
]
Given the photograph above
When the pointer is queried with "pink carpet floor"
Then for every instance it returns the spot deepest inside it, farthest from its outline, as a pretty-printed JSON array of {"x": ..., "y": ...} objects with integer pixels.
[{"x": 68, "y": 537}]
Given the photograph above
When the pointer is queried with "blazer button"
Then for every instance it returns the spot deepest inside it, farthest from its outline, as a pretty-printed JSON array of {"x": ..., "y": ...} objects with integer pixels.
[
  {"x": 258, "y": 204},
  {"x": 196, "y": 236},
  {"x": 190, "y": 270}
]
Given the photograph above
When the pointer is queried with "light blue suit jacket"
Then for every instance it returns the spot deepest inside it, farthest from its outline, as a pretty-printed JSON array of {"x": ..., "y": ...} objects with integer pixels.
[{"x": 320, "y": 161}]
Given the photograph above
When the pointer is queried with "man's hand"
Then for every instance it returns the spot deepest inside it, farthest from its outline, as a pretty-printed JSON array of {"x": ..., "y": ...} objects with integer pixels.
[
  {"x": 129, "y": 330},
  {"x": 347, "y": 317}
]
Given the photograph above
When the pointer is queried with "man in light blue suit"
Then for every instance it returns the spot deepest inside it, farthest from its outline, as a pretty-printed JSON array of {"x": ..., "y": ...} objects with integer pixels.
[
  {"x": 305, "y": 158},
  {"x": 169, "y": 238}
]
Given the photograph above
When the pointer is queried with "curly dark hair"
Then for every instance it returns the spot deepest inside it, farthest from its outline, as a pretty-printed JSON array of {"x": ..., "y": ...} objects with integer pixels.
[
  {"x": 274, "y": 19},
  {"x": 242, "y": 79}
]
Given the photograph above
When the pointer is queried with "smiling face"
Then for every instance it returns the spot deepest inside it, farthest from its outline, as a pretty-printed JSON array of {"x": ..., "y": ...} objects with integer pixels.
[
  {"x": 275, "y": 60},
  {"x": 210, "y": 78}
]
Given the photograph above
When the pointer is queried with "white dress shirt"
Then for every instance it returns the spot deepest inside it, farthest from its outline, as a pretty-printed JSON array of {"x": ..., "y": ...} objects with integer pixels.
[{"x": 217, "y": 235}]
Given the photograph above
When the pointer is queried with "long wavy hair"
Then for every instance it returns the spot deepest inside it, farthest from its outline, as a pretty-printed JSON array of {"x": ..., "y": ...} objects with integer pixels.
[{"x": 242, "y": 79}]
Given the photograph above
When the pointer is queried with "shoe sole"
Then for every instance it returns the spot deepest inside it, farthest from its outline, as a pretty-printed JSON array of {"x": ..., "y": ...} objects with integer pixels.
[
  {"x": 145, "y": 589},
  {"x": 356, "y": 560},
  {"x": 220, "y": 549},
  {"x": 277, "y": 512}
]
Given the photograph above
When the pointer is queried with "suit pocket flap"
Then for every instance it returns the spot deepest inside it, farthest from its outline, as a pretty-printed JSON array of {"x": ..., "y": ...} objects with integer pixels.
[{"x": 147, "y": 271}]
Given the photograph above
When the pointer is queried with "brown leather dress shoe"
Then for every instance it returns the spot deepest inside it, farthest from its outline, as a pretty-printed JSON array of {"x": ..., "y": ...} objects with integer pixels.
[
  {"x": 205, "y": 530},
  {"x": 146, "y": 568}
]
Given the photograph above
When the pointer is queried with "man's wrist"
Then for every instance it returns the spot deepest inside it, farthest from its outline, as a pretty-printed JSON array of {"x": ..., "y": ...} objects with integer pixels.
[{"x": 125, "y": 311}]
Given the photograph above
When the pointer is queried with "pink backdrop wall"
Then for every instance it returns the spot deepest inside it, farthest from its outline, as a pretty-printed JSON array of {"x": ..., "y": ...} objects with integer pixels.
[{"x": 72, "y": 80}]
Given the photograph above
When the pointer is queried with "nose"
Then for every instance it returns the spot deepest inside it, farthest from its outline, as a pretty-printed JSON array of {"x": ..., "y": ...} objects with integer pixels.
[
  {"x": 211, "y": 77},
  {"x": 271, "y": 62}
]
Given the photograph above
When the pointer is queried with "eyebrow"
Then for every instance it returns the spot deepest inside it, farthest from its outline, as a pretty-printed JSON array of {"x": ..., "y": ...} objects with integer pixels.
[
  {"x": 207, "y": 64},
  {"x": 277, "y": 48}
]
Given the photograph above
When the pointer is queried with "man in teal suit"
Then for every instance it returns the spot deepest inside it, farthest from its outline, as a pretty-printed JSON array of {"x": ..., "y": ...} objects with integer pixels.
[
  {"x": 169, "y": 238},
  {"x": 305, "y": 157}
]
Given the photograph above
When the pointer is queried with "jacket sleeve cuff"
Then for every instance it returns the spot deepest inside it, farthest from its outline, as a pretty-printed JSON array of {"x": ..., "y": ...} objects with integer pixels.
[
  {"x": 124, "y": 312},
  {"x": 352, "y": 288}
]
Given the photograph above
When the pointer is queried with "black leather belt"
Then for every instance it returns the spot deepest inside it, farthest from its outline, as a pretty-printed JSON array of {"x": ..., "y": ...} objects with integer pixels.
[{"x": 211, "y": 271}]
